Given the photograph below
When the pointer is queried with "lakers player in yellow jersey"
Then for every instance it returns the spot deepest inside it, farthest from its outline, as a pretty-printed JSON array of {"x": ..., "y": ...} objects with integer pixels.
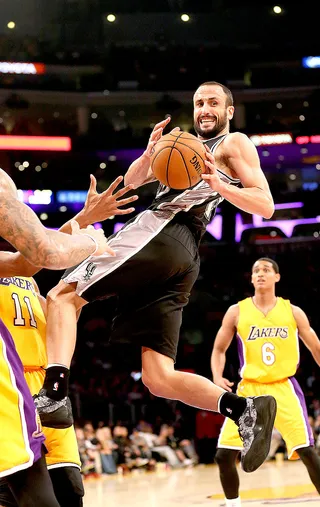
[
  {"x": 20, "y": 447},
  {"x": 267, "y": 328},
  {"x": 23, "y": 312}
]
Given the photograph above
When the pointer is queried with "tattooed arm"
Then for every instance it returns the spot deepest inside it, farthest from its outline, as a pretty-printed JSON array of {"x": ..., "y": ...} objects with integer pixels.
[
  {"x": 97, "y": 208},
  {"x": 42, "y": 247}
]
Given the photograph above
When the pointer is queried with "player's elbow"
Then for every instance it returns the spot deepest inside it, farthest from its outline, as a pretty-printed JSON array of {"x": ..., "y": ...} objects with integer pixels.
[
  {"x": 269, "y": 213},
  {"x": 316, "y": 352},
  {"x": 268, "y": 210}
]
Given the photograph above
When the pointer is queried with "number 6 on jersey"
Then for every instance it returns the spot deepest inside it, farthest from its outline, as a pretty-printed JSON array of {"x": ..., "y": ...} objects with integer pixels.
[{"x": 268, "y": 356}]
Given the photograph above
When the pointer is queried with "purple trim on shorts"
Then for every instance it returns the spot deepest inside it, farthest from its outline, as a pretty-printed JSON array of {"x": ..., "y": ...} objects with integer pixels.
[
  {"x": 240, "y": 351},
  {"x": 299, "y": 393},
  {"x": 28, "y": 406}
]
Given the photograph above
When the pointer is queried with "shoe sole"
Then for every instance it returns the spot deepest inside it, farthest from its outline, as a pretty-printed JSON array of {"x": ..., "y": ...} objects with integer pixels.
[{"x": 260, "y": 446}]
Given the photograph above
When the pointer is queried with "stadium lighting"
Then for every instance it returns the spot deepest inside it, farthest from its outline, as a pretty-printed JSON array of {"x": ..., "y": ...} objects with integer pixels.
[
  {"x": 11, "y": 25},
  {"x": 277, "y": 9},
  {"x": 43, "y": 143},
  {"x": 111, "y": 18},
  {"x": 185, "y": 17}
]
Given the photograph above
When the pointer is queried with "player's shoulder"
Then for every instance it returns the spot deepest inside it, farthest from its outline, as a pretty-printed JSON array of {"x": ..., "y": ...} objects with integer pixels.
[
  {"x": 236, "y": 141},
  {"x": 296, "y": 310},
  {"x": 285, "y": 302},
  {"x": 245, "y": 301},
  {"x": 233, "y": 310}
]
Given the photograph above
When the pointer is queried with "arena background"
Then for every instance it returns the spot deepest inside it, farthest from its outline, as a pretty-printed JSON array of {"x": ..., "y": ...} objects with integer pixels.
[{"x": 101, "y": 74}]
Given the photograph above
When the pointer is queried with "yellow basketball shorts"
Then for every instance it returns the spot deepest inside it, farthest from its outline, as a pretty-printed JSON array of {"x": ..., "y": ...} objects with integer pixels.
[
  {"x": 291, "y": 419},
  {"x": 61, "y": 443},
  {"x": 21, "y": 438}
]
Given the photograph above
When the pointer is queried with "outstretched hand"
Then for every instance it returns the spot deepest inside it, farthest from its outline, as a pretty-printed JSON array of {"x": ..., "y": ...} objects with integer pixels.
[{"x": 99, "y": 207}]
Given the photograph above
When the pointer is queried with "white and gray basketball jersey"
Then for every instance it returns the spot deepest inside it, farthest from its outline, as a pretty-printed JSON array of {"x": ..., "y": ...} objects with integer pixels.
[
  {"x": 196, "y": 205},
  {"x": 193, "y": 207}
]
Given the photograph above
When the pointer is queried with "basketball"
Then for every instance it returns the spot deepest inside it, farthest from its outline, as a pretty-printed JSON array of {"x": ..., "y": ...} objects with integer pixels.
[{"x": 178, "y": 160}]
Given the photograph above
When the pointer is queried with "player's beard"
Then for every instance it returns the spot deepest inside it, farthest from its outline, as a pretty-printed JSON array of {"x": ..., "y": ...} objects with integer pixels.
[{"x": 218, "y": 127}]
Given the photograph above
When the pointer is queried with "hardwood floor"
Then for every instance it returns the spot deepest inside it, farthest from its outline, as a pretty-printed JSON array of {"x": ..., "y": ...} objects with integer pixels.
[{"x": 275, "y": 483}]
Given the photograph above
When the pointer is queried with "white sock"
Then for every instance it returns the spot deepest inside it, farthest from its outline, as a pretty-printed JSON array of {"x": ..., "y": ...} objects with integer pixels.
[{"x": 234, "y": 502}]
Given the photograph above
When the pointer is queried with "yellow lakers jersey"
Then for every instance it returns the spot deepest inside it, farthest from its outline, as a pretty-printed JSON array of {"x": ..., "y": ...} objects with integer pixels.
[
  {"x": 21, "y": 312},
  {"x": 268, "y": 345}
]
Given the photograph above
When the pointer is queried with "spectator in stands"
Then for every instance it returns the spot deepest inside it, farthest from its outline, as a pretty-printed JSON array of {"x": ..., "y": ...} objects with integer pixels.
[
  {"x": 92, "y": 449},
  {"x": 108, "y": 446}
]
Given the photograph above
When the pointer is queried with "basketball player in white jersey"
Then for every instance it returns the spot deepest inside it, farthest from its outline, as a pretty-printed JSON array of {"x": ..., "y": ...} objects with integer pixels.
[{"x": 153, "y": 272}]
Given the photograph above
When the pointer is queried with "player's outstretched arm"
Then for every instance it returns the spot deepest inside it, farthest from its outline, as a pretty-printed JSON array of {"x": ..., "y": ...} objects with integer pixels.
[
  {"x": 42, "y": 247},
  {"x": 221, "y": 345},
  {"x": 139, "y": 172},
  {"x": 242, "y": 158},
  {"x": 306, "y": 333},
  {"x": 98, "y": 207}
]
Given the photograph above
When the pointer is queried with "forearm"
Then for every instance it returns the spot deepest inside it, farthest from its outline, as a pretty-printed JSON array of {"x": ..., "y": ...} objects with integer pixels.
[
  {"x": 53, "y": 255},
  {"x": 138, "y": 172},
  {"x": 15, "y": 264},
  {"x": 42, "y": 247},
  {"x": 316, "y": 357},
  {"x": 316, "y": 353},
  {"x": 63, "y": 251},
  {"x": 251, "y": 200},
  {"x": 218, "y": 361},
  {"x": 82, "y": 219}
]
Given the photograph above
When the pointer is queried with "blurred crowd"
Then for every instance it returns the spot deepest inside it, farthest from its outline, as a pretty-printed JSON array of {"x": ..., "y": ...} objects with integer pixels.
[{"x": 105, "y": 450}]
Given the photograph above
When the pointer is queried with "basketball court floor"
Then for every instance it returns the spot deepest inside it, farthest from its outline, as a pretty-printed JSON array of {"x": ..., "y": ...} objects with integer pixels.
[{"x": 274, "y": 483}]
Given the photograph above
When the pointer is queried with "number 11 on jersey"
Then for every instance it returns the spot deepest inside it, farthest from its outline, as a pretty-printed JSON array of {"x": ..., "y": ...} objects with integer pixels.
[{"x": 19, "y": 320}]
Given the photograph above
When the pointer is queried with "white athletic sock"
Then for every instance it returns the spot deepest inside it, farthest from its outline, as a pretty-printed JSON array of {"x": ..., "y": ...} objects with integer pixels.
[{"x": 234, "y": 502}]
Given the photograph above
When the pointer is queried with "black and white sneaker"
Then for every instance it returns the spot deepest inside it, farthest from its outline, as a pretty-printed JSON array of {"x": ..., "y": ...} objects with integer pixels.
[
  {"x": 53, "y": 413},
  {"x": 255, "y": 430}
]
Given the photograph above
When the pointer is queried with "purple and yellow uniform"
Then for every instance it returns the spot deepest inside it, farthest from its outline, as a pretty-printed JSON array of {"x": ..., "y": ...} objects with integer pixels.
[
  {"x": 23, "y": 315},
  {"x": 268, "y": 348},
  {"x": 21, "y": 437}
]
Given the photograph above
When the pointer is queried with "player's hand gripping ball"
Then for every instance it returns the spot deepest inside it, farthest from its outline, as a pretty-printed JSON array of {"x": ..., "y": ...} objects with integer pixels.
[{"x": 178, "y": 160}]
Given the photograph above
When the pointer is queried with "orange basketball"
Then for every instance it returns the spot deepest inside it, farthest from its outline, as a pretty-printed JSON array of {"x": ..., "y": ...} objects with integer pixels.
[{"x": 178, "y": 160}]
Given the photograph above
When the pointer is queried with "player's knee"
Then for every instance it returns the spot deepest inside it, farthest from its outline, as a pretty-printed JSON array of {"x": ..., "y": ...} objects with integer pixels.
[
  {"x": 157, "y": 373},
  {"x": 225, "y": 458},
  {"x": 61, "y": 294},
  {"x": 156, "y": 383},
  {"x": 151, "y": 383}
]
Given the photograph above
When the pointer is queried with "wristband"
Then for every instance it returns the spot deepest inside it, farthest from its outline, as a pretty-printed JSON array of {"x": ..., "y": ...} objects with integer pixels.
[{"x": 95, "y": 242}]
